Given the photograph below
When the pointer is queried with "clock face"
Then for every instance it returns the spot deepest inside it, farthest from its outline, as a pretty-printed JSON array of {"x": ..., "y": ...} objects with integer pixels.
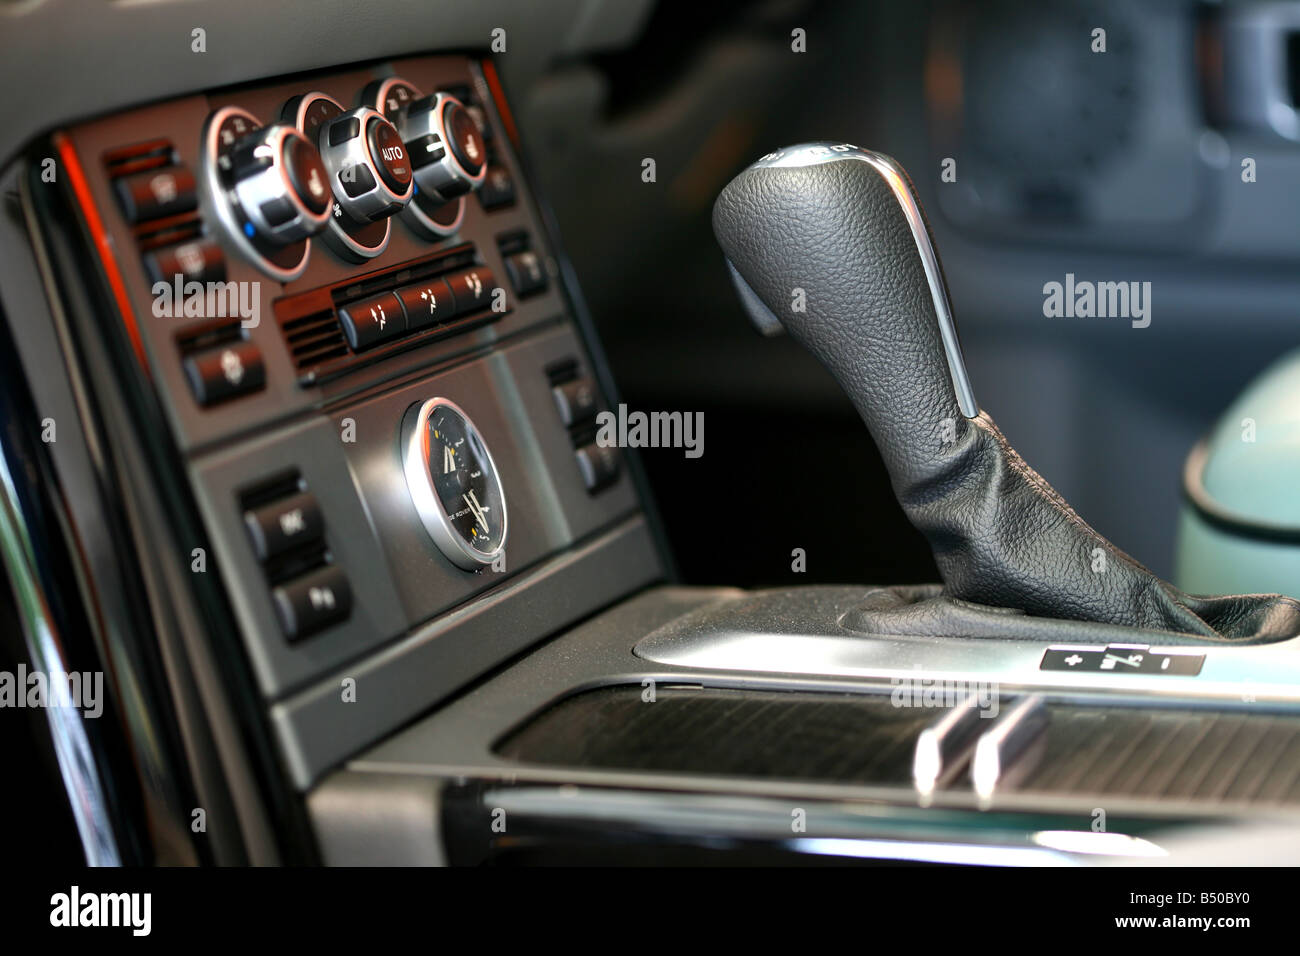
[
  {"x": 455, "y": 485},
  {"x": 465, "y": 480}
]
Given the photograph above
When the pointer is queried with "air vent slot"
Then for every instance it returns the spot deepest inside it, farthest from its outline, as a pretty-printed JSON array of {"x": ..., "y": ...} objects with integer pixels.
[
  {"x": 152, "y": 154},
  {"x": 169, "y": 232},
  {"x": 314, "y": 338}
]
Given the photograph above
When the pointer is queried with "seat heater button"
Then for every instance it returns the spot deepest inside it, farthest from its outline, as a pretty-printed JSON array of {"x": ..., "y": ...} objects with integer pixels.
[
  {"x": 157, "y": 193},
  {"x": 198, "y": 261}
]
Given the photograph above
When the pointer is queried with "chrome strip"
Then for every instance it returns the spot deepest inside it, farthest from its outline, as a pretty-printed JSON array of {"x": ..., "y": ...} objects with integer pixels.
[
  {"x": 814, "y": 645},
  {"x": 813, "y": 154},
  {"x": 835, "y": 829},
  {"x": 72, "y": 748}
]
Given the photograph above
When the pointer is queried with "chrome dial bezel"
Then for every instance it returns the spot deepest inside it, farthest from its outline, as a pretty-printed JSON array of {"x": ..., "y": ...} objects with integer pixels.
[
  {"x": 420, "y": 483},
  {"x": 222, "y": 205}
]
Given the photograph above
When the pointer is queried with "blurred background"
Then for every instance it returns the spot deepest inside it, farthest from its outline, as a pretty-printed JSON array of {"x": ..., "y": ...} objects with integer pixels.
[{"x": 1122, "y": 165}]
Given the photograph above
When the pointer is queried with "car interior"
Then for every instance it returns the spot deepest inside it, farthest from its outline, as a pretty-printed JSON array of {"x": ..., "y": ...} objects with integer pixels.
[{"x": 618, "y": 432}]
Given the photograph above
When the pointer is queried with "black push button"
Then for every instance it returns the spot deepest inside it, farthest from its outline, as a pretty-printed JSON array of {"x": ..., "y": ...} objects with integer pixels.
[
  {"x": 314, "y": 601},
  {"x": 473, "y": 289},
  {"x": 373, "y": 321},
  {"x": 156, "y": 193},
  {"x": 425, "y": 150},
  {"x": 284, "y": 525},
  {"x": 576, "y": 401},
  {"x": 427, "y": 304},
  {"x": 357, "y": 180},
  {"x": 599, "y": 466},
  {"x": 349, "y": 128},
  {"x": 526, "y": 272},
  {"x": 223, "y": 373},
  {"x": 278, "y": 211},
  {"x": 498, "y": 188},
  {"x": 198, "y": 261}
]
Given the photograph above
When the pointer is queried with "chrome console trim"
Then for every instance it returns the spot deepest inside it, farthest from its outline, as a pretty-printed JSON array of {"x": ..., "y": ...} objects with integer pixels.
[
  {"x": 72, "y": 748},
  {"x": 802, "y": 638}
]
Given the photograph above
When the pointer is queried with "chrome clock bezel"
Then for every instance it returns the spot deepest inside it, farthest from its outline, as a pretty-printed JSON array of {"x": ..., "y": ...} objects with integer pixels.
[{"x": 420, "y": 484}]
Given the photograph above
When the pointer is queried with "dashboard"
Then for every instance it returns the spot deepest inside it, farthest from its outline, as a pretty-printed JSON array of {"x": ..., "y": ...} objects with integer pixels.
[{"x": 335, "y": 309}]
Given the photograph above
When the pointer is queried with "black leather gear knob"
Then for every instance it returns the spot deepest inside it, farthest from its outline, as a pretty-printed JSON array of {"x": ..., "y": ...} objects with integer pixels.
[{"x": 829, "y": 242}]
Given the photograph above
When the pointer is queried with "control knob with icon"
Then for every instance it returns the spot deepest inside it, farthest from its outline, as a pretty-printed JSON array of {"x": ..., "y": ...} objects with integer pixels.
[
  {"x": 369, "y": 171},
  {"x": 446, "y": 146},
  {"x": 447, "y": 150},
  {"x": 369, "y": 168},
  {"x": 267, "y": 186}
]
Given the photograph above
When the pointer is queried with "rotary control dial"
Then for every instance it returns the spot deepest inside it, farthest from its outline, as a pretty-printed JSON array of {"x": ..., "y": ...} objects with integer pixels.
[
  {"x": 446, "y": 146},
  {"x": 454, "y": 483},
  {"x": 447, "y": 151},
  {"x": 369, "y": 171},
  {"x": 267, "y": 186}
]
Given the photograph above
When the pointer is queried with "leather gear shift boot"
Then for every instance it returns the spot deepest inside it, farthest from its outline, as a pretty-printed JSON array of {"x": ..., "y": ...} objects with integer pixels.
[{"x": 1004, "y": 539}]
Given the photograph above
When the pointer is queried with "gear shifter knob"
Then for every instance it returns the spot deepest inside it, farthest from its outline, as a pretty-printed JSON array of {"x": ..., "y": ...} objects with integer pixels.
[{"x": 829, "y": 242}]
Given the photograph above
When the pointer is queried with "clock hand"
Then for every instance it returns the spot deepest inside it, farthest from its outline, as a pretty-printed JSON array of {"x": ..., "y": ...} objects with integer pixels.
[{"x": 477, "y": 509}]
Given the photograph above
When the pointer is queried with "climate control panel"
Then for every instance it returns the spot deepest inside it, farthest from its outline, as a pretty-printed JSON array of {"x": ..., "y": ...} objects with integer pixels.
[{"x": 339, "y": 172}]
